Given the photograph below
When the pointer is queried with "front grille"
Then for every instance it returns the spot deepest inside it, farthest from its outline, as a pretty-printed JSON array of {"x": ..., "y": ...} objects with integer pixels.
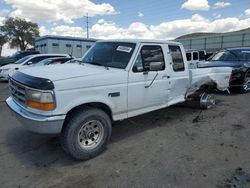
[{"x": 18, "y": 92}]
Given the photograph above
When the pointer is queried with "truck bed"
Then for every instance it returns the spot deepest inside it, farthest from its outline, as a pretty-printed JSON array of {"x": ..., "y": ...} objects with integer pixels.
[{"x": 218, "y": 76}]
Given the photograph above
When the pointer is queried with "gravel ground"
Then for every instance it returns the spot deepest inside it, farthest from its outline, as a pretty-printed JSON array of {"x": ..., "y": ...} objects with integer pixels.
[{"x": 178, "y": 146}]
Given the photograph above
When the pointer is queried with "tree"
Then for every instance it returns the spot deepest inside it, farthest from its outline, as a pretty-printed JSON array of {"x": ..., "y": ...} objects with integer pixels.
[
  {"x": 2, "y": 42},
  {"x": 19, "y": 32}
]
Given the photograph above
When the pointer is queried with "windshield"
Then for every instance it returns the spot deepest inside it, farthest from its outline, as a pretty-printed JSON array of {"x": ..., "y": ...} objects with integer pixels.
[
  {"x": 110, "y": 54},
  {"x": 232, "y": 55},
  {"x": 20, "y": 61}
]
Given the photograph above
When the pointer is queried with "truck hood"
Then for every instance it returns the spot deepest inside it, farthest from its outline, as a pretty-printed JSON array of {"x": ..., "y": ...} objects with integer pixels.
[
  {"x": 233, "y": 64},
  {"x": 65, "y": 71}
]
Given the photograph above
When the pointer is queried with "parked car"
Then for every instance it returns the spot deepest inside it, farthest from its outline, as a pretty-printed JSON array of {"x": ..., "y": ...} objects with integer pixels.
[
  {"x": 25, "y": 62},
  {"x": 54, "y": 61},
  {"x": 16, "y": 56},
  {"x": 239, "y": 60},
  {"x": 117, "y": 79}
]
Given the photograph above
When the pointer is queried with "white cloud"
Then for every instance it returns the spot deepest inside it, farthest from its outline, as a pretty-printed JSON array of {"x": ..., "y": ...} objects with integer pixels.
[
  {"x": 51, "y": 10},
  {"x": 140, "y": 14},
  {"x": 68, "y": 31},
  {"x": 104, "y": 29},
  {"x": 221, "y": 4},
  {"x": 168, "y": 30},
  {"x": 63, "y": 30},
  {"x": 247, "y": 12},
  {"x": 2, "y": 20},
  {"x": 196, "y": 5}
]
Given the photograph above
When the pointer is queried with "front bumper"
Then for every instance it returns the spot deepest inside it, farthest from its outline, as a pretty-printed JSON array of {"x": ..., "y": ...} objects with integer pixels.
[
  {"x": 4, "y": 75},
  {"x": 34, "y": 122}
]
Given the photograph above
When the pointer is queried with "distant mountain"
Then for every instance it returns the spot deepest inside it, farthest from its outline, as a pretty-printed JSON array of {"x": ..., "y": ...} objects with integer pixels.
[{"x": 202, "y": 34}]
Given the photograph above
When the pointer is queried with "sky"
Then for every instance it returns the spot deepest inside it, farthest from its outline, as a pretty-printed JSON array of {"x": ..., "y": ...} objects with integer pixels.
[{"x": 113, "y": 19}]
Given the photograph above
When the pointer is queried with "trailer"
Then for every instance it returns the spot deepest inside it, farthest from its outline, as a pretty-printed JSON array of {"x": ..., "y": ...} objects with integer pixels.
[{"x": 74, "y": 46}]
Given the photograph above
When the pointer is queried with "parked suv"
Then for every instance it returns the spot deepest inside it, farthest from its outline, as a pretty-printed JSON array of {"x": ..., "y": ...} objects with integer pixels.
[{"x": 16, "y": 56}]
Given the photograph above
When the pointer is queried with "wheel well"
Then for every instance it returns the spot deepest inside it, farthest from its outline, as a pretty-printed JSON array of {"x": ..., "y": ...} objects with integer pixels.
[
  {"x": 246, "y": 72},
  {"x": 208, "y": 87},
  {"x": 98, "y": 105}
]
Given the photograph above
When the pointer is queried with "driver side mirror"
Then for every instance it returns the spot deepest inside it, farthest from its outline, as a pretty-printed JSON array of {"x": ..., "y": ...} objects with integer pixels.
[
  {"x": 156, "y": 66},
  {"x": 29, "y": 63}
]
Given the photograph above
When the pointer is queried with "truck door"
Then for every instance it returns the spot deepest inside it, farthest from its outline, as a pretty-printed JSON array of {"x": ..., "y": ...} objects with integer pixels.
[
  {"x": 147, "y": 90},
  {"x": 179, "y": 74}
]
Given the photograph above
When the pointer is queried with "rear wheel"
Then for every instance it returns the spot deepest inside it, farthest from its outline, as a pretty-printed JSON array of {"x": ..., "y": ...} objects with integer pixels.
[
  {"x": 86, "y": 133},
  {"x": 246, "y": 85}
]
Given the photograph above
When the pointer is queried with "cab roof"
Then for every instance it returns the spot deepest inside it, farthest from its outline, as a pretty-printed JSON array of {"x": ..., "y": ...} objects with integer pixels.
[{"x": 141, "y": 41}]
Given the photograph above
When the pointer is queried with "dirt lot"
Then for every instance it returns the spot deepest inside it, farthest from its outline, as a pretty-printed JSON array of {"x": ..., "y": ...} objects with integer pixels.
[{"x": 174, "y": 147}]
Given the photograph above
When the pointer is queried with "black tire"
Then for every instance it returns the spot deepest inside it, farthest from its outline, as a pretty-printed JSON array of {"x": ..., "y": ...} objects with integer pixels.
[
  {"x": 70, "y": 138},
  {"x": 246, "y": 84}
]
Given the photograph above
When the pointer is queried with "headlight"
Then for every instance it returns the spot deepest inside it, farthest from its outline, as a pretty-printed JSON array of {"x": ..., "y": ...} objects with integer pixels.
[{"x": 40, "y": 100}]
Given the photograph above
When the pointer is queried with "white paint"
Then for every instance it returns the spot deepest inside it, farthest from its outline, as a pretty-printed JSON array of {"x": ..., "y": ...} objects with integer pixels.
[{"x": 77, "y": 84}]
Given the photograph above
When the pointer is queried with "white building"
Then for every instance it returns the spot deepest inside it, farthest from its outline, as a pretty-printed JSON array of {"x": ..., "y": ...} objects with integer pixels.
[{"x": 74, "y": 46}]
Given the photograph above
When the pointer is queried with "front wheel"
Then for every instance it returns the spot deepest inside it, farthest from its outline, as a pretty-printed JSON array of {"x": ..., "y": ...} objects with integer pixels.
[
  {"x": 246, "y": 85},
  {"x": 86, "y": 133}
]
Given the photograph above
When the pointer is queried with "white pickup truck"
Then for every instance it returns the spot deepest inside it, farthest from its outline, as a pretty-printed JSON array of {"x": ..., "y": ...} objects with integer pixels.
[{"x": 116, "y": 79}]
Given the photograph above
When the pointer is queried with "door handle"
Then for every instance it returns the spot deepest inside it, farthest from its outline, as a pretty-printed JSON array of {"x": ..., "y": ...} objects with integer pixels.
[
  {"x": 165, "y": 76},
  {"x": 148, "y": 86}
]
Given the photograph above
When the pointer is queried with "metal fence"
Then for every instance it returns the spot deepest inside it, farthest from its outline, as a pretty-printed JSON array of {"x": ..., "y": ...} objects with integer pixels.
[{"x": 218, "y": 41}]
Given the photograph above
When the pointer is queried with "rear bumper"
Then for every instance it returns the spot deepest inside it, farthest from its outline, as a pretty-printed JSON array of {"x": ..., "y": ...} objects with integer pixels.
[{"x": 34, "y": 122}]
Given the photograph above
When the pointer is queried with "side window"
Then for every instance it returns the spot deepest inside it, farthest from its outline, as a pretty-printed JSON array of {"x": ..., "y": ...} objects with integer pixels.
[
  {"x": 178, "y": 63},
  {"x": 195, "y": 56},
  {"x": 147, "y": 55},
  {"x": 189, "y": 56},
  {"x": 202, "y": 55},
  {"x": 37, "y": 59}
]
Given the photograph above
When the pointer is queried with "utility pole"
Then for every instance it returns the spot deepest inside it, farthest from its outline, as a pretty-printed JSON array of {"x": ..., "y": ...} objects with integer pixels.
[{"x": 87, "y": 22}]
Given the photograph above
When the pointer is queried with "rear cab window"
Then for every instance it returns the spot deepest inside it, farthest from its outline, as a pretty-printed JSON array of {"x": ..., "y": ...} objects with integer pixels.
[
  {"x": 195, "y": 56},
  {"x": 202, "y": 56},
  {"x": 189, "y": 56},
  {"x": 178, "y": 62}
]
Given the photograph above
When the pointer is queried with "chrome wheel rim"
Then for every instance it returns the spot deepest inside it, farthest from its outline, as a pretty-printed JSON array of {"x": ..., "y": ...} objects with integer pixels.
[
  {"x": 246, "y": 85},
  {"x": 211, "y": 101},
  {"x": 207, "y": 101},
  {"x": 90, "y": 134}
]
